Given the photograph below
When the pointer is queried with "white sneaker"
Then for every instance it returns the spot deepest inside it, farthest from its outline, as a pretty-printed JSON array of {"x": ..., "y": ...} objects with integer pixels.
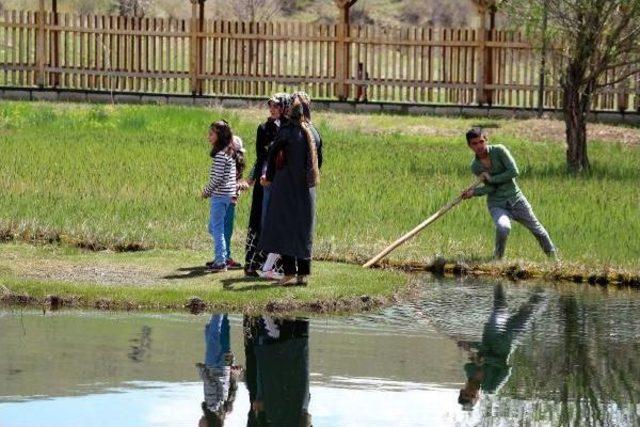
[{"x": 270, "y": 275}]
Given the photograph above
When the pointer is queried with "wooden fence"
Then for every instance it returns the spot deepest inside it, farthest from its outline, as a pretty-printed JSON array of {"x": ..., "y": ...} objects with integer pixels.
[{"x": 212, "y": 57}]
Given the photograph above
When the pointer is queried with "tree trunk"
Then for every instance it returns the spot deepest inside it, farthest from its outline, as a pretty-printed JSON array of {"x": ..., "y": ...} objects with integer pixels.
[{"x": 577, "y": 102}]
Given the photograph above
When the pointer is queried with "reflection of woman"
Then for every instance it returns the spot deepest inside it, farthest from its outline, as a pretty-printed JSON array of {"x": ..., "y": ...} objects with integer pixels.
[
  {"x": 278, "y": 383},
  {"x": 290, "y": 217},
  {"x": 250, "y": 329},
  {"x": 489, "y": 370},
  {"x": 219, "y": 379}
]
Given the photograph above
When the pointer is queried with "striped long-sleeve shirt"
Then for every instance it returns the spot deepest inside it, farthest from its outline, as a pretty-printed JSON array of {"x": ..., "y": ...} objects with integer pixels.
[{"x": 222, "y": 176}]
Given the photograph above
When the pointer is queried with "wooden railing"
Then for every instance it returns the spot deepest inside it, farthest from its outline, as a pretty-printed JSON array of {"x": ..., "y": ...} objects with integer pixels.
[{"x": 187, "y": 56}]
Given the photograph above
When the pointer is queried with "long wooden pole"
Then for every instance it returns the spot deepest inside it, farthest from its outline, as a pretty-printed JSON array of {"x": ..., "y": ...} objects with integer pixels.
[{"x": 418, "y": 228}]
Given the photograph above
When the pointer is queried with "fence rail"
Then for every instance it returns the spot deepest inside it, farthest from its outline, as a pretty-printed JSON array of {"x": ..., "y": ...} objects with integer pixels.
[{"x": 419, "y": 65}]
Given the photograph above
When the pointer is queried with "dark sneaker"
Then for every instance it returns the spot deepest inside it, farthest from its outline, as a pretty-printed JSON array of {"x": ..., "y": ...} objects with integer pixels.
[
  {"x": 250, "y": 273},
  {"x": 217, "y": 268},
  {"x": 209, "y": 264},
  {"x": 233, "y": 265}
]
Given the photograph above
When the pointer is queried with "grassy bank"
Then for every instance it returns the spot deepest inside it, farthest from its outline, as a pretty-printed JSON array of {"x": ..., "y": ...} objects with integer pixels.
[
  {"x": 127, "y": 177},
  {"x": 174, "y": 279}
]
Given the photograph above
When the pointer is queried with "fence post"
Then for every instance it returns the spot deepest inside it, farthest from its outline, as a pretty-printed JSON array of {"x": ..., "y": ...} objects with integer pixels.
[
  {"x": 54, "y": 78},
  {"x": 193, "y": 47},
  {"x": 488, "y": 74},
  {"x": 40, "y": 50},
  {"x": 340, "y": 61},
  {"x": 481, "y": 57},
  {"x": 201, "y": 40},
  {"x": 543, "y": 60},
  {"x": 623, "y": 95},
  {"x": 637, "y": 92},
  {"x": 342, "y": 49}
]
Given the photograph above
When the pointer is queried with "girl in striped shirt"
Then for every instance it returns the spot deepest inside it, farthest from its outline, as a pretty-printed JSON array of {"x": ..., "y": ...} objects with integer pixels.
[{"x": 221, "y": 188}]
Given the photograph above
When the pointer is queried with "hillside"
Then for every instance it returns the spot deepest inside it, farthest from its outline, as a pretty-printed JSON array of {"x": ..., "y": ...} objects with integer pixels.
[{"x": 380, "y": 12}]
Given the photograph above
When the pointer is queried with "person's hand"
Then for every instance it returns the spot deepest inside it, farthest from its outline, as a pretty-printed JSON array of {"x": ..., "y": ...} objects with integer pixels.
[
  {"x": 251, "y": 182},
  {"x": 467, "y": 194},
  {"x": 203, "y": 195},
  {"x": 243, "y": 185},
  {"x": 264, "y": 182},
  {"x": 485, "y": 176}
]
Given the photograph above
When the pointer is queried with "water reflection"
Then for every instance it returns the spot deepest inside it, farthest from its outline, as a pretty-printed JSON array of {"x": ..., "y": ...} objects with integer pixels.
[
  {"x": 465, "y": 353},
  {"x": 488, "y": 369},
  {"x": 218, "y": 373},
  {"x": 277, "y": 372},
  {"x": 141, "y": 346},
  {"x": 576, "y": 370}
]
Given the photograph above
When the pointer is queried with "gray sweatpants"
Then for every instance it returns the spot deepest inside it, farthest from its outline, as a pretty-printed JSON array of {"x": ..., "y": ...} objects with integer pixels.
[{"x": 519, "y": 211}]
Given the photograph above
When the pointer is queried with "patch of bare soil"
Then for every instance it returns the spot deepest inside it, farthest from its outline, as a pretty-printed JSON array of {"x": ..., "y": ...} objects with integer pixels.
[
  {"x": 423, "y": 130},
  {"x": 554, "y": 131},
  {"x": 549, "y": 130},
  {"x": 101, "y": 275}
]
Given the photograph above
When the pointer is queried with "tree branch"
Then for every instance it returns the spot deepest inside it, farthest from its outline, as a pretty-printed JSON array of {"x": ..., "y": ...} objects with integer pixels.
[
  {"x": 620, "y": 78},
  {"x": 345, "y": 3}
]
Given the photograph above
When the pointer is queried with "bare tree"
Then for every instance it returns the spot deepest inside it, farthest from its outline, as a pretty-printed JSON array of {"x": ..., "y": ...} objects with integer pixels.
[
  {"x": 592, "y": 39},
  {"x": 85, "y": 7},
  {"x": 433, "y": 12},
  {"x": 134, "y": 8},
  {"x": 256, "y": 10}
]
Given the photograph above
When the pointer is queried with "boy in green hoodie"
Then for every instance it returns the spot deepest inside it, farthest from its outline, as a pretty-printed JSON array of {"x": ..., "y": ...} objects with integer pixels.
[{"x": 497, "y": 168}]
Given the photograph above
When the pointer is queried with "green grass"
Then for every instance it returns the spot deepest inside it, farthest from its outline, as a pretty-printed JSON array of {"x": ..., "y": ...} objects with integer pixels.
[
  {"x": 169, "y": 278},
  {"x": 131, "y": 174}
]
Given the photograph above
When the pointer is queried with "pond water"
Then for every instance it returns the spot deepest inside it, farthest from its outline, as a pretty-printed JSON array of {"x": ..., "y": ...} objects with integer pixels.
[{"x": 464, "y": 353}]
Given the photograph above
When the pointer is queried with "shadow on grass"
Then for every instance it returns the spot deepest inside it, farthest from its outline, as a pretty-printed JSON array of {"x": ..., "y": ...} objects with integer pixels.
[
  {"x": 228, "y": 284},
  {"x": 188, "y": 273}
]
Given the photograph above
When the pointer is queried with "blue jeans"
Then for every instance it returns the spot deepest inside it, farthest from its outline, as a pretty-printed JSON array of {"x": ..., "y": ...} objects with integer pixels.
[
  {"x": 219, "y": 206},
  {"x": 229, "y": 219},
  {"x": 217, "y": 342}
]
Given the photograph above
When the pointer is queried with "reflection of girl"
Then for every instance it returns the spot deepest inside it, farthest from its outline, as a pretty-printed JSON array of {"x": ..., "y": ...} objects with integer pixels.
[
  {"x": 217, "y": 373},
  {"x": 290, "y": 217}
]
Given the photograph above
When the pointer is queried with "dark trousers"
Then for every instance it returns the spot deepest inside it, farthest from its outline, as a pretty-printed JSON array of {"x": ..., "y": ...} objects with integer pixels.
[
  {"x": 292, "y": 265},
  {"x": 253, "y": 257}
]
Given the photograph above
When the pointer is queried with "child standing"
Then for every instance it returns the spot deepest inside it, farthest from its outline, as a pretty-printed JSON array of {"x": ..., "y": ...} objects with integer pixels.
[
  {"x": 237, "y": 152},
  {"x": 222, "y": 188}
]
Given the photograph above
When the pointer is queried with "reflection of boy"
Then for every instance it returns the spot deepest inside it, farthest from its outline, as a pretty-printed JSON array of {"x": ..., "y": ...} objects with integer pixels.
[
  {"x": 488, "y": 369},
  {"x": 216, "y": 372}
]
